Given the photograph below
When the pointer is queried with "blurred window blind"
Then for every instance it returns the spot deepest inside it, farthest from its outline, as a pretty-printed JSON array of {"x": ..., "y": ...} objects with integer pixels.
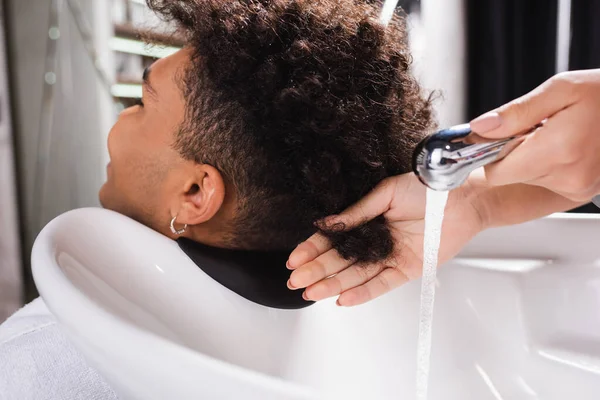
[{"x": 140, "y": 38}]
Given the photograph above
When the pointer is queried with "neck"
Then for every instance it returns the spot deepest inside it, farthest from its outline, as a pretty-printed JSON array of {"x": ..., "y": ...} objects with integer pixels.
[
  {"x": 212, "y": 233},
  {"x": 217, "y": 231}
]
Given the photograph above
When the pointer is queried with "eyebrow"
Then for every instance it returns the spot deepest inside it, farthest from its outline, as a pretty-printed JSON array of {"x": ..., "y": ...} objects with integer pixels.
[{"x": 146, "y": 80}]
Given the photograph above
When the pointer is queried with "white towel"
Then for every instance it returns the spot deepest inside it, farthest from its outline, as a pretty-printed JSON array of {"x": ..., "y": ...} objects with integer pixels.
[{"x": 37, "y": 361}]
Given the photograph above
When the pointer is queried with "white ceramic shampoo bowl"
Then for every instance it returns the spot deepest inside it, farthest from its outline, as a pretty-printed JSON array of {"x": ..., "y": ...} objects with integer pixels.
[{"x": 517, "y": 316}]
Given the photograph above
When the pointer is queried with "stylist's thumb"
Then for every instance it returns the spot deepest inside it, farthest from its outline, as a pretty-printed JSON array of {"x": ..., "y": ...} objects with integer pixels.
[{"x": 520, "y": 115}]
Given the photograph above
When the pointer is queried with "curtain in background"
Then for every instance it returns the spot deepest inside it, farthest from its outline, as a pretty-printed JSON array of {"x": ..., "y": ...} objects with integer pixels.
[
  {"x": 585, "y": 46},
  {"x": 585, "y": 34},
  {"x": 73, "y": 150},
  {"x": 511, "y": 49},
  {"x": 10, "y": 249}
]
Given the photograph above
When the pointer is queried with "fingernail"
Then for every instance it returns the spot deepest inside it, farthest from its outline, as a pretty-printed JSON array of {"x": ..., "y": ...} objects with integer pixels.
[
  {"x": 304, "y": 296},
  {"x": 327, "y": 221},
  {"x": 287, "y": 264},
  {"x": 486, "y": 122},
  {"x": 289, "y": 285},
  {"x": 332, "y": 219}
]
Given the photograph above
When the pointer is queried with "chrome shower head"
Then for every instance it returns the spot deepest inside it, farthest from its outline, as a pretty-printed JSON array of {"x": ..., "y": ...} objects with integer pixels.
[{"x": 444, "y": 160}]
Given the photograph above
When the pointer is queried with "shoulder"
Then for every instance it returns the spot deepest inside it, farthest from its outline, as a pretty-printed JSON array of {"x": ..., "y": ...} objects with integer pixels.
[{"x": 37, "y": 361}]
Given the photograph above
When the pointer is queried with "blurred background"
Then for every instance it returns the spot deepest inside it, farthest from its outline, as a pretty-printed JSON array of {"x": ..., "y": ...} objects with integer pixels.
[{"x": 68, "y": 67}]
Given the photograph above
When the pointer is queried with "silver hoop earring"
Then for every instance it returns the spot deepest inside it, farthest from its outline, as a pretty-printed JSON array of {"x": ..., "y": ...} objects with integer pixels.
[{"x": 177, "y": 231}]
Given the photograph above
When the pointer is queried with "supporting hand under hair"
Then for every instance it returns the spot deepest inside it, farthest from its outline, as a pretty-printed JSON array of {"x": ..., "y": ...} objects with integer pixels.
[{"x": 401, "y": 200}]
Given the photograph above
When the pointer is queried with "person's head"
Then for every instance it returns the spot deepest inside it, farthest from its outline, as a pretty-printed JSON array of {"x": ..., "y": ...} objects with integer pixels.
[{"x": 275, "y": 115}]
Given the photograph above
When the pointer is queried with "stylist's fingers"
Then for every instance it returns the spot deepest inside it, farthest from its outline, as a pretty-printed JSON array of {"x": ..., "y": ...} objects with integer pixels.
[
  {"x": 372, "y": 205},
  {"x": 308, "y": 250},
  {"x": 320, "y": 268},
  {"x": 530, "y": 159},
  {"x": 349, "y": 278},
  {"x": 518, "y": 116},
  {"x": 388, "y": 279},
  {"x": 377, "y": 202},
  {"x": 558, "y": 156}
]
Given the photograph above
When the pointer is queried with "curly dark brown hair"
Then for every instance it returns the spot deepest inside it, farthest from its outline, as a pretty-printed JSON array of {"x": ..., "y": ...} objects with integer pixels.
[{"x": 304, "y": 106}]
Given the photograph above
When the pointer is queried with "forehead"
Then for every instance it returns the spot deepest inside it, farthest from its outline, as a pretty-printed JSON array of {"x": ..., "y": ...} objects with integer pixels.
[
  {"x": 173, "y": 63},
  {"x": 166, "y": 80}
]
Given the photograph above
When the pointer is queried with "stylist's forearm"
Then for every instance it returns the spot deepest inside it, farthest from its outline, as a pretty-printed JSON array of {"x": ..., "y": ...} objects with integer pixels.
[{"x": 518, "y": 203}]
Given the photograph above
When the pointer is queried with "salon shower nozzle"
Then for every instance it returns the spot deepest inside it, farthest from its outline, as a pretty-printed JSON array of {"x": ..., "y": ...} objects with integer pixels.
[{"x": 444, "y": 160}]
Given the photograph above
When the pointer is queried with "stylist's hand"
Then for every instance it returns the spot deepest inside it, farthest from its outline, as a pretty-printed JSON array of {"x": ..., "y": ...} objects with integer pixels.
[
  {"x": 401, "y": 200},
  {"x": 563, "y": 155}
]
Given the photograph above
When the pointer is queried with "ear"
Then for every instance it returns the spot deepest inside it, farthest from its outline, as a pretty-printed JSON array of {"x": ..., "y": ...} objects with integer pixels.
[{"x": 203, "y": 196}]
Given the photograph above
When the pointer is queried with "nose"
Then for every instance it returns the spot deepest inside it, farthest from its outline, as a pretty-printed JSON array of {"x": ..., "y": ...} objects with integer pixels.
[{"x": 127, "y": 111}]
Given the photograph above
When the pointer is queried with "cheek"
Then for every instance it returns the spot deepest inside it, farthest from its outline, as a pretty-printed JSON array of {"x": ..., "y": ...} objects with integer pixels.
[
  {"x": 117, "y": 138},
  {"x": 128, "y": 160},
  {"x": 134, "y": 157},
  {"x": 126, "y": 147},
  {"x": 140, "y": 156}
]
